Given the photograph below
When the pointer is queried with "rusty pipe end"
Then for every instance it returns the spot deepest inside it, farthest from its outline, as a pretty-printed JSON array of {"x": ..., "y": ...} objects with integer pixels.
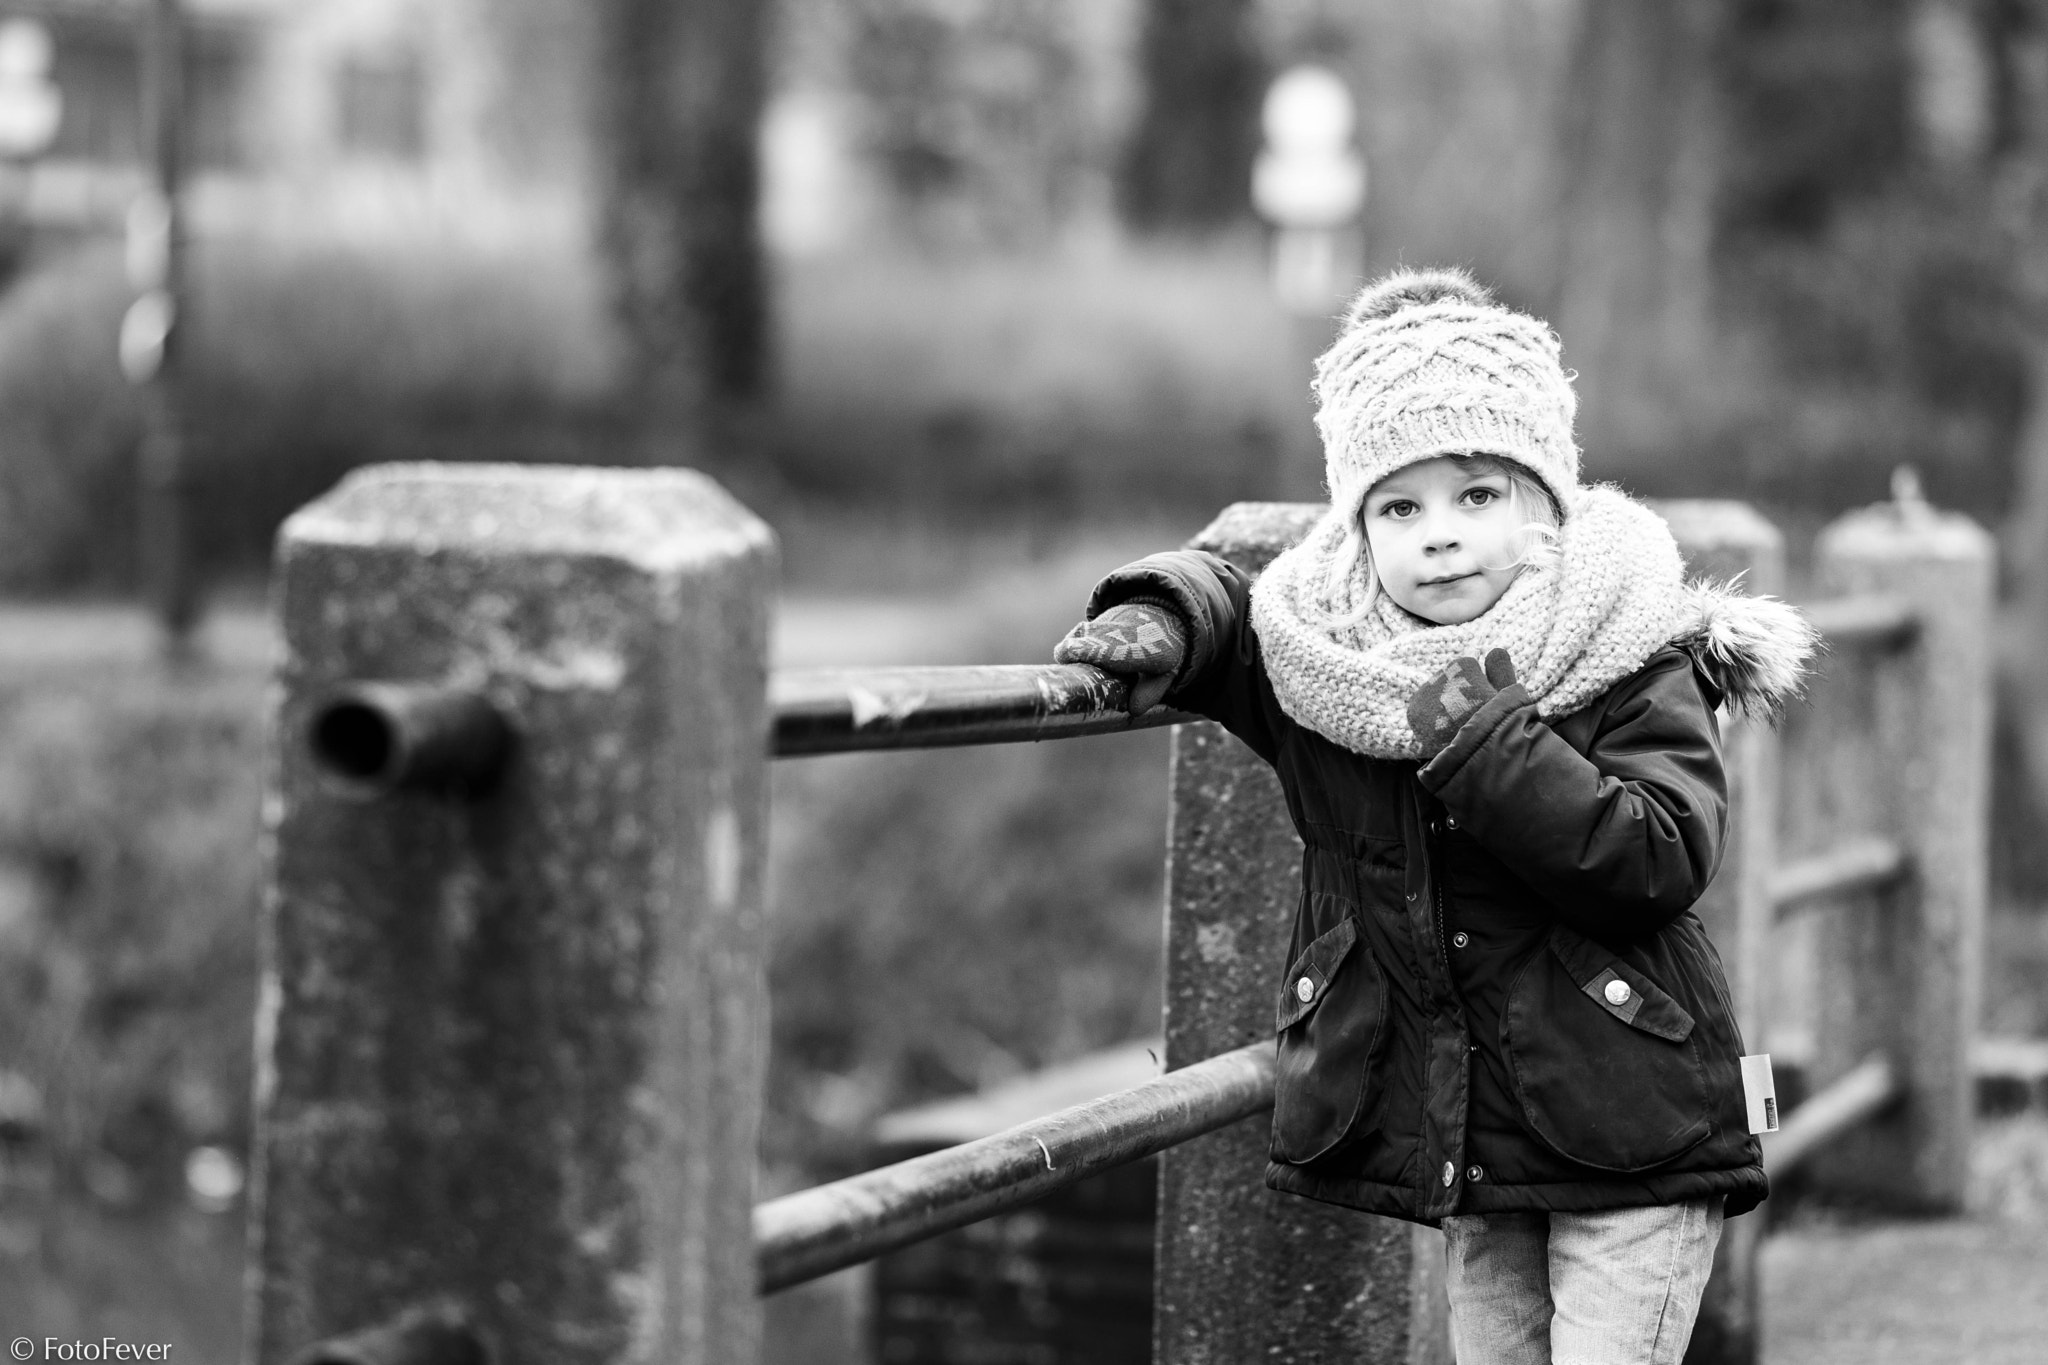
[
  {"x": 429, "y": 1334},
  {"x": 373, "y": 739}
]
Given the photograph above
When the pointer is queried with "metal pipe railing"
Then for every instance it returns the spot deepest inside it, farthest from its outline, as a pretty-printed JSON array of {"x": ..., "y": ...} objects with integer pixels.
[
  {"x": 1854, "y": 865},
  {"x": 811, "y": 1233},
  {"x": 1869, "y": 620},
  {"x": 844, "y": 710}
]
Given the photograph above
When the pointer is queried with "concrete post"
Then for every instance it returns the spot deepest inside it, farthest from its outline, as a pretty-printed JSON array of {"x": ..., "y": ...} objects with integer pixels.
[
  {"x": 1723, "y": 541},
  {"x": 1244, "y": 1273},
  {"x": 510, "y": 1045},
  {"x": 1909, "y": 982}
]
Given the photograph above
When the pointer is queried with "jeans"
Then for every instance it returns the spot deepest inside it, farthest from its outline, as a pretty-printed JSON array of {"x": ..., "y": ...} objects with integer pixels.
[{"x": 1616, "y": 1287}]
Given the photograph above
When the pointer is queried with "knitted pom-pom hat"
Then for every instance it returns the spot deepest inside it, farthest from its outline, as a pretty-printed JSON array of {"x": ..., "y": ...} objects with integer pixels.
[{"x": 1428, "y": 364}]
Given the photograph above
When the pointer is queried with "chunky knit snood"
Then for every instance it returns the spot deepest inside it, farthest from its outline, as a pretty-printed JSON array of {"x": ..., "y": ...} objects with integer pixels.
[{"x": 1615, "y": 595}]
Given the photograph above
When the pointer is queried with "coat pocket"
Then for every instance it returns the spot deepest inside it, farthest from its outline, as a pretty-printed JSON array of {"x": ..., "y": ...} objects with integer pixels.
[
  {"x": 1332, "y": 1022},
  {"x": 1605, "y": 1066}
]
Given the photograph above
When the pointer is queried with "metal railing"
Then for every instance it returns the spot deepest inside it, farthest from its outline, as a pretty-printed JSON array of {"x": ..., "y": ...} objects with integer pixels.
[
  {"x": 802, "y": 1236},
  {"x": 814, "y": 1232},
  {"x": 848, "y": 710},
  {"x": 614, "y": 822}
]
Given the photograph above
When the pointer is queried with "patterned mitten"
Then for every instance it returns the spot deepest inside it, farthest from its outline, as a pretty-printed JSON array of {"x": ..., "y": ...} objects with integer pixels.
[
  {"x": 1441, "y": 705},
  {"x": 1142, "y": 641}
]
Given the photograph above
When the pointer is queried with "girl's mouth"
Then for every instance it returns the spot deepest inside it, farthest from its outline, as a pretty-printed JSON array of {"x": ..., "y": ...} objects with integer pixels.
[{"x": 1446, "y": 578}]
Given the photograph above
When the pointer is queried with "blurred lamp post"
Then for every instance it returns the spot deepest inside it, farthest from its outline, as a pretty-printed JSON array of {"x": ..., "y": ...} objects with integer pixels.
[
  {"x": 30, "y": 109},
  {"x": 149, "y": 334},
  {"x": 30, "y": 106},
  {"x": 1309, "y": 183}
]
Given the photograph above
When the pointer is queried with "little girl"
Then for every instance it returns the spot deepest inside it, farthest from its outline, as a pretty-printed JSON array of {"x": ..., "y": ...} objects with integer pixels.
[{"x": 1489, "y": 694}]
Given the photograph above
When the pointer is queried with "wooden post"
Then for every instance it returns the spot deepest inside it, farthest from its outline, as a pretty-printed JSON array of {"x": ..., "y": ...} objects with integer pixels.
[
  {"x": 1908, "y": 982},
  {"x": 510, "y": 1046},
  {"x": 1244, "y": 1273},
  {"x": 1723, "y": 541}
]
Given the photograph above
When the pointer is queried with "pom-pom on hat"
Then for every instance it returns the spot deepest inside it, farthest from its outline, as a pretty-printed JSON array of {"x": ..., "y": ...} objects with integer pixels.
[{"x": 1427, "y": 364}]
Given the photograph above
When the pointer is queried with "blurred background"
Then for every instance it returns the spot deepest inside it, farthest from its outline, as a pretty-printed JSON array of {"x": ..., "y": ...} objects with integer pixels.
[{"x": 969, "y": 298}]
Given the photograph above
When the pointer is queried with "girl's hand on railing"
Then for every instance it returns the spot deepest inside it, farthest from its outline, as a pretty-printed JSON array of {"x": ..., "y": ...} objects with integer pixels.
[{"x": 1143, "y": 641}]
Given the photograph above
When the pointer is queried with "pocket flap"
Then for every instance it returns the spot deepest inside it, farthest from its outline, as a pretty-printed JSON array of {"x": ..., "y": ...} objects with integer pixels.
[
  {"x": 1620, "y": 989},
  {"x": 1310, "y": 975}
]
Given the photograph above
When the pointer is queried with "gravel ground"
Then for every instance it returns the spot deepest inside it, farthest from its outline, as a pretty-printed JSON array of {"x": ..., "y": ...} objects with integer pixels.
[
  {"x": 1954, "y": 1292},
  {"x": 1969, "y": 1292}
]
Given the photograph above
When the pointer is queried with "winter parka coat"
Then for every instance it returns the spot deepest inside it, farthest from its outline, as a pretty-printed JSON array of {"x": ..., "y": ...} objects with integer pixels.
[{"x": 1497, "y": 996}]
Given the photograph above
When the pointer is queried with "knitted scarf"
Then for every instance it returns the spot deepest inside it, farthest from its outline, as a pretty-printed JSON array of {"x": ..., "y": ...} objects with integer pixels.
[{"x": 1615, "y": 596}]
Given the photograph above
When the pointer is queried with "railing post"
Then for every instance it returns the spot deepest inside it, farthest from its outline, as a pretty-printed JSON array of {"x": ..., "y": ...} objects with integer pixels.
[
  {"x": 1725, "y": 541},
  {"x": 511, "y": 1033},
  {"x": 1243, "y": 1273},
  {"x": 1908, "y": 982}
]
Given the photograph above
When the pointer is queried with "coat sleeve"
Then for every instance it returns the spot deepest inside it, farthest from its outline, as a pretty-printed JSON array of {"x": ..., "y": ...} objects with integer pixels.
[
  {"x": 1620, "y": 839},
  {"x": 1222, "y": 674}
]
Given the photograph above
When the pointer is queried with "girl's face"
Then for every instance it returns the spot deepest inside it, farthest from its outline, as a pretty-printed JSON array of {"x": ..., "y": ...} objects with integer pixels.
[{"x": 1443, "y": 538}]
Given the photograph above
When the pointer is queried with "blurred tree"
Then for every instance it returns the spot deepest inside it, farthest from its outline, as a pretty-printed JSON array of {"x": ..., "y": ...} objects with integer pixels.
[
  {"x": 977, "y": 115},
  {"x": 1778, "y": 269},
  {"x": 1639, "y": 128},
  {"x": 680, "y": 88},
  {"x": 1188, "y": 165},
  {"x": 2020, "y": 32}
]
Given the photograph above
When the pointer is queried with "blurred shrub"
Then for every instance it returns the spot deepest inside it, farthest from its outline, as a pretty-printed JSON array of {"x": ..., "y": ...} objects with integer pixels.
[
  {"x": 127, "y": 960},
  {"x": 302, "y": 363},
  {"x": 948, "y": 919},
  {"x": 941, "y": 919},
  {"x": 308, "y": 363},
  {"x": 990, "y": 122},
  {"x": 68, "y": 427},
  {"x": 1892, "y": 337},
  {"x": 1873, "y": 273},
  {"x": 945, "y": 919},
  {"x": 1149, "y": 378}
]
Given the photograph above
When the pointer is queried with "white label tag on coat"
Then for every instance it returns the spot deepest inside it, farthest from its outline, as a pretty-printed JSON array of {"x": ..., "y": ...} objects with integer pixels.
[{"x": 1760, "y": 1093}]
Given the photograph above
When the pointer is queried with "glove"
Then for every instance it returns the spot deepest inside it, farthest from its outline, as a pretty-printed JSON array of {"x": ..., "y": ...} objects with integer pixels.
[
  {"x": 1442, "y": 705},
  {"x": 1143, "y": 642}
]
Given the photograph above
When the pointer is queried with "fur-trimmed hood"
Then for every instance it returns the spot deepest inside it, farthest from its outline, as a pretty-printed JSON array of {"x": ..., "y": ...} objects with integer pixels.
[{"x": 1756, "y": 650}]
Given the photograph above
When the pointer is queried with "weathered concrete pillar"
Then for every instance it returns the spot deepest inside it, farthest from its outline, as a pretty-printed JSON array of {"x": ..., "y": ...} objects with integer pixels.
[
  {"x": 1908, "y": 982},
  {"x": 1244, "y": 1273},
  {"x": 1724, "y": 541},
  {"x": 511, "y": 1038}
]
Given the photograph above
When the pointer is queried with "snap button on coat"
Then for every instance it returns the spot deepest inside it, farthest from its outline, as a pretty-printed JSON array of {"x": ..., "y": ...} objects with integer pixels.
[
  {"x": 1617, "y": 992},
  {"x": 1305, "y": 990},
  {"x": 1475, "y": 1173},
  {"x": 1450, "y": 1174},
  {"x": 1460, "y": 939}
]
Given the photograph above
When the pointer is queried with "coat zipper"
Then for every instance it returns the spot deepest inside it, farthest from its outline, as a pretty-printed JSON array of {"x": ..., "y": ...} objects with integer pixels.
[
  {"x": 1443, "y": 950},
  {"x": 1436, "y": 893}
]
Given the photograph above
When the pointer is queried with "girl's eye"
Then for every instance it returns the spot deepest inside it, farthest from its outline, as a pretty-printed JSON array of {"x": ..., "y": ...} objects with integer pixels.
[
  {"x": 1399, "y": 507},
  {"x": 1480, "y": 497}
]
